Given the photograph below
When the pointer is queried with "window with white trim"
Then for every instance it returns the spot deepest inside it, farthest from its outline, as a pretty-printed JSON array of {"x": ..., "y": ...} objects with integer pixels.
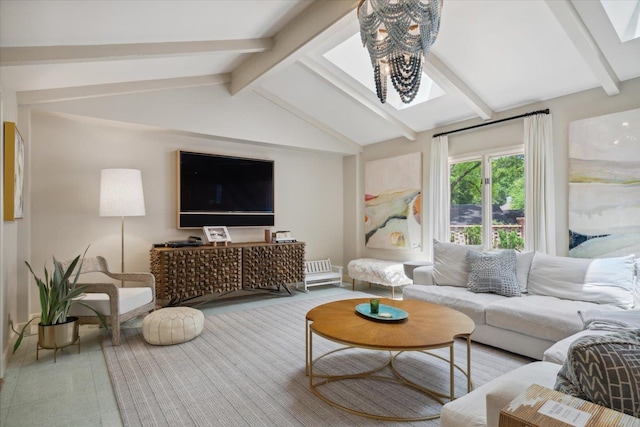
[{"x": 487, "y": 199}]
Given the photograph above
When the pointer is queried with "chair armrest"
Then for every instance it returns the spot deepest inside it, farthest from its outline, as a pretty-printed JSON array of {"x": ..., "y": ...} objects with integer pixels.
[
  {"x": 101, "y": 288},
  {"x": 423, "y": 275},
  {"x": 148, "y": 279},
  {"x": 337, "y": 268},
  {"x": 105, "y": 288}
]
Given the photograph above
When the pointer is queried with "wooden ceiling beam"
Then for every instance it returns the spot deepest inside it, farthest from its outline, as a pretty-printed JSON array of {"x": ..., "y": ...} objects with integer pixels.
[
  {"x": 94, "y": 91},
  {"x": 582, "y": 39},
  {"x": 291, "y": 43},
  {"x": 450, "y": 82},
  {"x": 31, "y": 55}
]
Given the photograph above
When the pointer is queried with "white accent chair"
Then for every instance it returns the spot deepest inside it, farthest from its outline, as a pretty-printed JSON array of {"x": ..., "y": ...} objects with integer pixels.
[{"x": 119, "y": 301}]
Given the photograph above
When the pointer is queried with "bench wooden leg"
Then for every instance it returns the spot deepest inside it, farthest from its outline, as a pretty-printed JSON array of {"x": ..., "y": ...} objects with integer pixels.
[{"x": 353, "y": 284}]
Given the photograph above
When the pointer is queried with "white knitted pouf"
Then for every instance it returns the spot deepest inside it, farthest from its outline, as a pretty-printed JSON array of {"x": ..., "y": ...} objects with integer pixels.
[{"x": 172, "y": 325}]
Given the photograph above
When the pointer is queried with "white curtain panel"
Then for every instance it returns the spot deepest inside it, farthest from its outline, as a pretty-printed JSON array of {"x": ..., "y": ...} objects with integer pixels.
[
  {"x": 440, "y": 189},
  {"x": 539, "y": 178}
]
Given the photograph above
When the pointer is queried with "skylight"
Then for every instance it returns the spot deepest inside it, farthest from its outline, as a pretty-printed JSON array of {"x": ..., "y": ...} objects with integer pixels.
[
  {"x": 624, "y": 16},
  {"x": 352, "y": 58}
]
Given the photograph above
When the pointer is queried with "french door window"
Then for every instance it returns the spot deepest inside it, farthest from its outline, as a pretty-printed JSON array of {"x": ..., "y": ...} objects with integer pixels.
[{"x": 487, "y": 199}]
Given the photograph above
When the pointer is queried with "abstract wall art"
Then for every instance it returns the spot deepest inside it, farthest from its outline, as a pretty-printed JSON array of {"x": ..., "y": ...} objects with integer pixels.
[
  {"x": 604, "y": 186},
  {"x": 13, "y": 172},
  {"x": 393, "y": 203}
]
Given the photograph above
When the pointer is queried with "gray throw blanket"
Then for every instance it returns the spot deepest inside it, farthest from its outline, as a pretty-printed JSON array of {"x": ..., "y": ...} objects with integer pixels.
[{"x": 610, "y": 320}]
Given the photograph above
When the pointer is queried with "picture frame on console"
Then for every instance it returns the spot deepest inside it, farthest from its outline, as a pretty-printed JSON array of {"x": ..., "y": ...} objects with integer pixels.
[{"x": 216, "y": 234}]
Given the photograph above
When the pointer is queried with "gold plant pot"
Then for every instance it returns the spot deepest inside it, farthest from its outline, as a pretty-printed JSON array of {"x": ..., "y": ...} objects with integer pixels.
[{"x": 58, "y": 336}]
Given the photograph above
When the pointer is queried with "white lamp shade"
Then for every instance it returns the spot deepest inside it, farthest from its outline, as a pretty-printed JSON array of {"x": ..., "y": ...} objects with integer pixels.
[{"x": 121, "y": 193}]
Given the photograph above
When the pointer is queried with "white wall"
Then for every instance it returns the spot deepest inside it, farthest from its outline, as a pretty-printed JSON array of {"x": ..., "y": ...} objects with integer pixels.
[
  {"x": 206, "y": 110},
  {"x": 9, "y": 232},
  {"x": 590, "y": 103},
  {"x": 68, "y": 153}
]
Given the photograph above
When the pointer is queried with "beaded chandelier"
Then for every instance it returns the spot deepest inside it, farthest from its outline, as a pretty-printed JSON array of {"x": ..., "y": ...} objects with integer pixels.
[{"x": 398, "y": 35}]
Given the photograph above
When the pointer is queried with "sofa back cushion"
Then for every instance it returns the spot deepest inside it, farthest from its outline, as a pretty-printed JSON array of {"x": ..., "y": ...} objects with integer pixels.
[
  {"x": 602, "y": 280},
  {"x": 450, "y": 263},
  {"x": 524, "y": 260}
]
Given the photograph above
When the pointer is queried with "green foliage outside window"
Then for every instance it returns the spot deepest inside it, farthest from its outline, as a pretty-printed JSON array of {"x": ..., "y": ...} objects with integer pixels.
[
  {"x": 508, "y": 180},
  {"x": 466, "y": 183},
  {"x": 473, "y": 235},
  {"x": 510, "y": 240}
]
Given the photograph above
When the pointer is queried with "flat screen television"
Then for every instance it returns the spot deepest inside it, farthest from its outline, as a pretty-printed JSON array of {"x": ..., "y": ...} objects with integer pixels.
[{"x": 224, "y": 191}]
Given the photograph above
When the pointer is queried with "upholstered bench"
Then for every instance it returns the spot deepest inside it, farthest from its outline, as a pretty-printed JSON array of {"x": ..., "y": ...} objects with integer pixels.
[
  {"x": 172, "y": 325},
  {"x": 381, "y": 272}
]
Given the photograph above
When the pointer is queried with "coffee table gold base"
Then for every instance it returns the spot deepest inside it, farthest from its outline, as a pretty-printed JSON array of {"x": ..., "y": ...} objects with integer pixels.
[{"x": 397, "y": 378}]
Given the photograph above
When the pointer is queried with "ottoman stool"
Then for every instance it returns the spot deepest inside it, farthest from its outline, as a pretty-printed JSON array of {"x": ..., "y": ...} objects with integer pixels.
[
  {"x": 172, "y": 325},
  {"x": 381, "y": 272}
]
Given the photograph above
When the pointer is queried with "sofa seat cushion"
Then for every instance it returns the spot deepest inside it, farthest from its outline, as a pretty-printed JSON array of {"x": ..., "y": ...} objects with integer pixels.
[
  {"x": 539, "y": 316},
  {"x": 461, "y": 299},
  {"x": 130, "y": 299}
]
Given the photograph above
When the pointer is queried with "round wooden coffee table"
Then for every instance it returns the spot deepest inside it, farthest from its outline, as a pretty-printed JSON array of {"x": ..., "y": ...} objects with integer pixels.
[{"x": 427, "y": 327}]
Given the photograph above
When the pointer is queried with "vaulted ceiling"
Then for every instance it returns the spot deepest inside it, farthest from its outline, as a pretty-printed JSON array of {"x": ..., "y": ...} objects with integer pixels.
[{"x": 293, "y": 66}]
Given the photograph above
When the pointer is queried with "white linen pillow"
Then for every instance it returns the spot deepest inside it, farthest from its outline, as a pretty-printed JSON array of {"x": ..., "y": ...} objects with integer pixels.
[
  {"x": 450, "y": 263},
  {"x": 601, "y": 281},
  {"x": 524, "y": 260}
]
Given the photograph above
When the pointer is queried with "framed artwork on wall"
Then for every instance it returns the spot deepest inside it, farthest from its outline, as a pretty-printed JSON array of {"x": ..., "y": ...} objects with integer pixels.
[
  {"x": 216, "y": 234},
  {"x": 13, "y": 172},
  {"x": 393, "y": 203},
  {"x": 604, "y": 185}
]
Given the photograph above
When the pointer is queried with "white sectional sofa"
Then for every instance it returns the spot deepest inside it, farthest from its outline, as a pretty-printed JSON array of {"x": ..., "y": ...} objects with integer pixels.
[
  {"x": 482, "y": 406},
  {"x": 545, "y": 308},
  {"x": 538, "y": 310}
]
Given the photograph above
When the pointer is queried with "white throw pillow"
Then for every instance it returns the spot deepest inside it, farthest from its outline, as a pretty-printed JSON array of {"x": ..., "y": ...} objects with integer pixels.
[
  {"x": 450, "y": 263},
  {"x": 601, "y": 281},
  {"x": 524, "y": 260}
]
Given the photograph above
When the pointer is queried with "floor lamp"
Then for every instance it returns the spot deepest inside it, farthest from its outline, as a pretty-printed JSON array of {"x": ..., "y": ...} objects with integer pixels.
[{"x": 121, "y": 195}]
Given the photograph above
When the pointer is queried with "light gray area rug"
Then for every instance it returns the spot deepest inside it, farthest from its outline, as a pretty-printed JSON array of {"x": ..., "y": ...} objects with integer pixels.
[{"x": 247, "y": 368}]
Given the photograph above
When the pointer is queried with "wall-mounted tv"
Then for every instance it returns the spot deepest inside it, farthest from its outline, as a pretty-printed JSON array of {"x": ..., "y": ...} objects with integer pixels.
[{"x": 224, "y": 190}]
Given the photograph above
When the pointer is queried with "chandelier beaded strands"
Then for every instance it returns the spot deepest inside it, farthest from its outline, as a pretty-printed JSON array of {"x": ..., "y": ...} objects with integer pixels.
[{"x": 398, "y": 35}]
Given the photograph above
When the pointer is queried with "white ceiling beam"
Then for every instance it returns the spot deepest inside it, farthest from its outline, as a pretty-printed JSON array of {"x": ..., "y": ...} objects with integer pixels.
[
  {"x": 359, "y": 97},
  {"x": 30, "y": 55},
  {"x": 450, "y": 82},
  {"x": 577, "y": 31},
  {"x": 270, "y": 96},
  {"x": 81, "y": 92},
  {"x": 291, "y": 43}
]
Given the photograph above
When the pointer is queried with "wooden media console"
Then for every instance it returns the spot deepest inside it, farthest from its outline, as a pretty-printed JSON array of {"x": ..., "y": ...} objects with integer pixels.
[{"x": 190, "y": 272}]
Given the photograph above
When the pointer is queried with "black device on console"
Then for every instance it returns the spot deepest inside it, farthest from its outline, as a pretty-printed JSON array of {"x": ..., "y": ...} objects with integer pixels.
[{"x": 191, "y": 241}]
